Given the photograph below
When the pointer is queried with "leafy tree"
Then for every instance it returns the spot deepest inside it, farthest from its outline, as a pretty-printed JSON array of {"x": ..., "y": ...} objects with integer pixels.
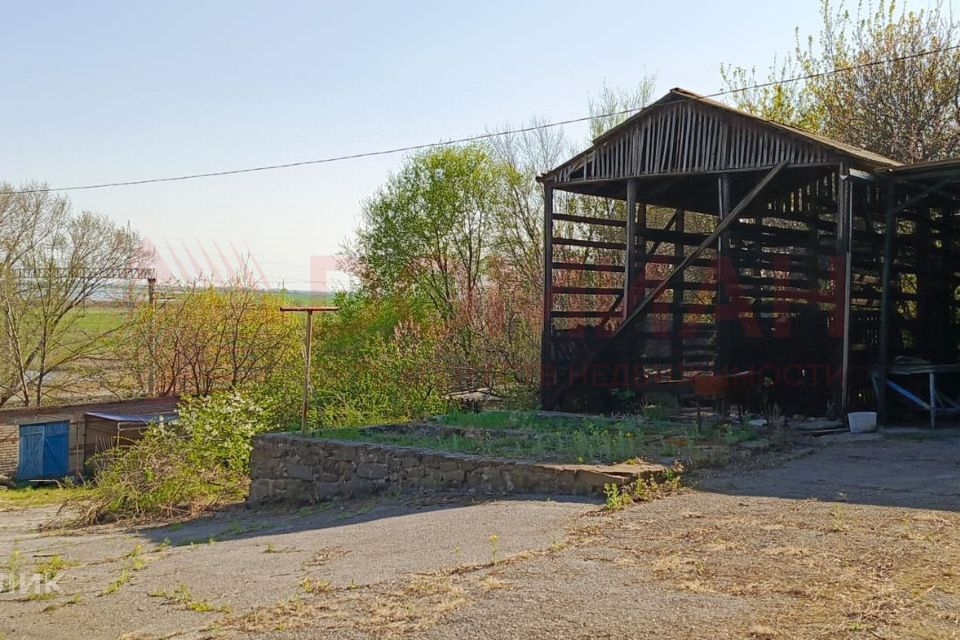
[
  {"x": 463, "y": 227},
  {"x": 908, "y": 109},
  {"x": 429, "y": 228}
]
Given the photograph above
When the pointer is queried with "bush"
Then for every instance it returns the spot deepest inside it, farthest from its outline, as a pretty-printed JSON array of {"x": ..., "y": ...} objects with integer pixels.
[
  {"x": 180, "y": 468},
  {"x": 377, "y": 360},
  {"x": 220, "y": 427},
  {"x": 159, "y": 476}
]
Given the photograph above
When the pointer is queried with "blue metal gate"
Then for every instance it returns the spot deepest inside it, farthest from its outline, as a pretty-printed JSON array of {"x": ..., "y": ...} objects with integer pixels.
[{"x": 44, "y": 450}]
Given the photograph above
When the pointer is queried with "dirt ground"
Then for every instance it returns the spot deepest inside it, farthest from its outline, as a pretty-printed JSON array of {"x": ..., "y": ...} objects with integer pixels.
[{"x": 859, "y": 537}]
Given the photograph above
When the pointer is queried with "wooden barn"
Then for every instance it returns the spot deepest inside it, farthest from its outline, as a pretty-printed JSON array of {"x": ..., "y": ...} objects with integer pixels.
[{"x": 694, "y": 241}]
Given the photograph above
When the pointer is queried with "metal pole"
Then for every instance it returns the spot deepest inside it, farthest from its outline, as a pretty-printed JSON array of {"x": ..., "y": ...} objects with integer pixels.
[
  {"x": 305, "y": 409},
  {"x": 152, "y": 300},
  {"x": 308, "y": 347},
  {"x": 845, "y": 244}
]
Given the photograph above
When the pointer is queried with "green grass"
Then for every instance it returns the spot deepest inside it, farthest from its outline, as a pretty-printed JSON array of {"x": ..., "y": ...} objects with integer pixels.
[
  {"x": 531, "y": 421},
  {"x": 182, "y": 596},
  {"x": 546, "y": 438},
  {"x": 29, "y": 497},
  {"x": 98, "y": 320},
  {"x": 307, "y": 298}
]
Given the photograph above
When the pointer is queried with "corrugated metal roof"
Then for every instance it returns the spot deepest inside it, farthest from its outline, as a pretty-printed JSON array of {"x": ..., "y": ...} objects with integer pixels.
[{"x": 139, "y": 418}]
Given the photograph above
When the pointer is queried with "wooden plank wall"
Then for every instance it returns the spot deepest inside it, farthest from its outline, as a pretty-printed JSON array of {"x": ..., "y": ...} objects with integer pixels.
[
  {"x": 781, "y": 250},
  {"x": 687, "y": 137}
]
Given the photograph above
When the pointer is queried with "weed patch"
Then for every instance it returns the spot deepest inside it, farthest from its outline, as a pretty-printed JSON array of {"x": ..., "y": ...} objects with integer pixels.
[{"x": 181, "y": 596}]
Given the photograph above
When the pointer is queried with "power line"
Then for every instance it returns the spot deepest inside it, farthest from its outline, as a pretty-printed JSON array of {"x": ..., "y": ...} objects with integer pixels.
[{"x": 474, "y": 138}]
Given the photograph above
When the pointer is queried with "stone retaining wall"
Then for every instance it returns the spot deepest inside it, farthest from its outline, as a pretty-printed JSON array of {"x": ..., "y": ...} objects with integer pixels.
[{"x": 300, "y": 469}]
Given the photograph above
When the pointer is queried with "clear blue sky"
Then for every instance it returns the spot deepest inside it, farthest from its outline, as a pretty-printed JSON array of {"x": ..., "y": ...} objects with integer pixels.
[{"x": 105, "y": 91}]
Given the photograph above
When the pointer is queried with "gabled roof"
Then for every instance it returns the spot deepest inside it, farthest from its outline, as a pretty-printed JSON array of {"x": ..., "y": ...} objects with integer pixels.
[
  {"x": 860, "y": 158},
  {"x": 840, "y": 147}
]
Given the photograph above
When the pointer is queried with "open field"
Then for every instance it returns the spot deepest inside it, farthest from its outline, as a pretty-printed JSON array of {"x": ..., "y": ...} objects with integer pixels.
[
  {"x": 858, "y": 538},
  {"x": 307, "y": 298}
]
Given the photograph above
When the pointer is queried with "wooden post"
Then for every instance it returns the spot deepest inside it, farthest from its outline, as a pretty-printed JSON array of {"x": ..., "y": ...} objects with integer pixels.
[
  {"x": 152, "y": 301},
  {"x": 676, "y": 341},
  {"x": 640, "y": 288},
  {"x": 845, "y": 249},
  {"x": 630, "y": 275},
  {"x": 723, "y": 255},
  {"x": 308, "y": 356},
  {"x": 546, "y": 369},
  {"x": 883, "y": 361},
  {"x": 922, "y": 236}
]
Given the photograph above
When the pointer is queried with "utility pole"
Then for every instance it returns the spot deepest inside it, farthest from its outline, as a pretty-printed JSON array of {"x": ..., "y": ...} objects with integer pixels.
[
  {"x": 152, "y": 301},
  {"x": 308, "y": 342}
]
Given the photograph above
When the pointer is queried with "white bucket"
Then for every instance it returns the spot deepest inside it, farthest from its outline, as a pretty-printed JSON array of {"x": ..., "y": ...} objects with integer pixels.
[{"x": 862, "y": 421}]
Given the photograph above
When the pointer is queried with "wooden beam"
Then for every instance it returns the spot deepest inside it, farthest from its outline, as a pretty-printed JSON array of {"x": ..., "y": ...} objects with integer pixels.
[
  {"x": 546, "y": 367},
  {"x": 584, "y": 314},
  {"x": 724, "y": 339},
  {"x": 590, "y": 220},
  {"x": 641, "y": 308},
  {"x": 676, "y": 344},
  {"x": 581, "y": 266},
  {"x": 589, "y": 290},
  {"x": 883, "y": 359},
  {"x": 592, "y": 244},
  {"x": 630, "y": 262}
]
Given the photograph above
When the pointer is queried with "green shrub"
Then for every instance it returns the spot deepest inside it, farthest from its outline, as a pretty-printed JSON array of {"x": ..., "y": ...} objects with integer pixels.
[
  {"x": 377, "y": 360},
  {"x": 220, "y": 427},
  {"x": 160, "y": 476},
  {"x": 179, "y": 468}
]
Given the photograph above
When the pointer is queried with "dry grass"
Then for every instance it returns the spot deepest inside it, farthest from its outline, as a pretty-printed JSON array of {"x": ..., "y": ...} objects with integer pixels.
[
  {"x": 415, "y": 606},
  {"x": 385, "y": 611},
  {"x": 323, "y": 556},
  {"x": 814, "y": 570}
]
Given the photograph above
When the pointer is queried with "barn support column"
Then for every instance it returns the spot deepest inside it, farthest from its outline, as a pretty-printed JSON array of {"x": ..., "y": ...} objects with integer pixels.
[
  {"x": 925, "y": 307},
  {"x": 723, "y": 262},
  {"x": 886, "y": 291},
  {"x": 630, "y": 275},
  {"x": 547, "y": 374},
  {"x": 676, "y": 339},
  {"x": 845, "y": 253}
]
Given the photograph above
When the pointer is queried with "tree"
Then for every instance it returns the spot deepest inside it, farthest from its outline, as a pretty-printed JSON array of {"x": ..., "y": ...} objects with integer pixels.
[
  {"x": 907, "y": 109},
  {"x": 52, "y": 264},
  {"x": 464, "y": 228},
  {"x": 430, "y": 226},
  {"x": 208, "y": 338}
]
